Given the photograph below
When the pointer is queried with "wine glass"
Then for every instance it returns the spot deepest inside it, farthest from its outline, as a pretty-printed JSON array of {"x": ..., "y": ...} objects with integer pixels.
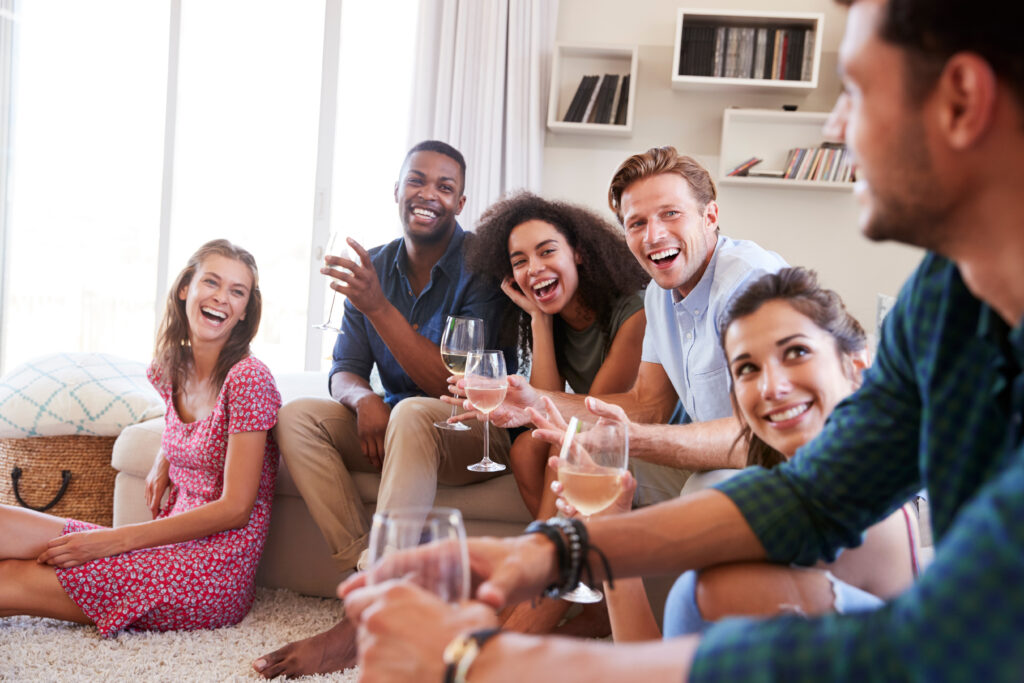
[
  {"x": 442, "y": 569},
  {"x": 590, "y": 463},
  {"x": 461, "y": 335},
  {"x": 336, "y": 246},
  {"x": 486, "y": 384}
]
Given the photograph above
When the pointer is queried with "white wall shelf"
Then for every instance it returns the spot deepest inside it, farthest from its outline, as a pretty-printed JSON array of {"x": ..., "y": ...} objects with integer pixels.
[
  {"x": 770, "y": 134},
  {"x": 740, "y": 19},
  {"x": 571, "y": 63}
]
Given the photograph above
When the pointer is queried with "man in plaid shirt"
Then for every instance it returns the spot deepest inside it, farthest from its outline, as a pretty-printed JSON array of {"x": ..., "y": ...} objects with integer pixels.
[{"x": 933, "y": 109}]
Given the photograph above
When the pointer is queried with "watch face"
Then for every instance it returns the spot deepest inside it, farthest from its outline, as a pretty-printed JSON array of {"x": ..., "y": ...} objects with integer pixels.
[{"x": 458, "y": 647}]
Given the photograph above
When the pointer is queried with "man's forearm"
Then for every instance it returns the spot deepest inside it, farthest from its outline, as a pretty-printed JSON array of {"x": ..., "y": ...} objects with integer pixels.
[
  {"x": 692, "y": 532},
  {"x": 696, "y": 446},
  {"x": 517, "y": 657},
  {"x": 348, "y": 389},
  {"x": 419, "y": 357}
]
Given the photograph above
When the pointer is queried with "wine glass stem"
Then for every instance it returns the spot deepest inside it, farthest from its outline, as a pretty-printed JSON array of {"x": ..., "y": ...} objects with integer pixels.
[
  {"x": 330, "y": 312},
  {"x": 455, "y": 393},
  {"x": 487, "y": 437}
]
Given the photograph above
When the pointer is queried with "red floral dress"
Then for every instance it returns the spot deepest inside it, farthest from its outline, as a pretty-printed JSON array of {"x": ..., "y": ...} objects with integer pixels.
[{"x": 208, "y": 582}]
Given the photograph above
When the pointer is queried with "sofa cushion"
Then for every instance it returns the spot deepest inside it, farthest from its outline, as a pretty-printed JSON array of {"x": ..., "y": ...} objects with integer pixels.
[
  {"x": 137, "y": 446},
  {"x": 92, "y": 394}
]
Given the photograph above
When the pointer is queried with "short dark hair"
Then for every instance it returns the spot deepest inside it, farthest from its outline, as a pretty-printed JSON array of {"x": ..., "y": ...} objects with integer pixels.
[
  {"x": 931, "y": 31},
  {"x": 799, "y": 288},
  {"x": 441, "y": 148}
]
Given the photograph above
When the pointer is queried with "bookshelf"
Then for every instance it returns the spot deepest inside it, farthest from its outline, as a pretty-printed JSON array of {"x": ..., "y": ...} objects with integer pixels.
[
  {"x": 770, "y": 134},
  {"x": 742, "y": 43},
  {"x": 570, "y": 64}
]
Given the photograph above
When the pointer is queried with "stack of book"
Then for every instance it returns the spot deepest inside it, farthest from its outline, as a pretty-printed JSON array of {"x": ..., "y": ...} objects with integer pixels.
[
  {"x": 600, "y": 99},
  {"x": 760, "y": 52},
  {"x": 830, "y": 161}
]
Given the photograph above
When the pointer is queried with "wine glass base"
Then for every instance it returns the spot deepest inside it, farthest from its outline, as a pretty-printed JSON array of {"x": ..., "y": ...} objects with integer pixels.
[
  {"x": 451, "y": 426},
  {"x": 326, "y": 328},
  {"x": 583, "y": 594},
  {"x": 486, "y": 466}
]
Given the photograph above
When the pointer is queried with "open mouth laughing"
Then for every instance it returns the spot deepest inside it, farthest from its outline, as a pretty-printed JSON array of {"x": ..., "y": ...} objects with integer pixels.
[
  {"x": 544, "y": 288},
  {"x": 663, "y": 257},
  {"x": 213, "y": 315}
]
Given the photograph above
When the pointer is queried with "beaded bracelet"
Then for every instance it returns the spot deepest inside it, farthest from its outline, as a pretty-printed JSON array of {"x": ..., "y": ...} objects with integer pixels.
[
  {"x": 572, "y": 553},
  {"x": 561, "y": 554}
]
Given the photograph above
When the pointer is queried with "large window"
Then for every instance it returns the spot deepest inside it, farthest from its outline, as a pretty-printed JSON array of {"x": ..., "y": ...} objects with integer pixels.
[{"x": 93, "y": 188}]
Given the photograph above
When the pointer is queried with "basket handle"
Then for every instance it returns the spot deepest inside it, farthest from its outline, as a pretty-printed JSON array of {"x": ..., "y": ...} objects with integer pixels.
[{"x": 65, "y": 476}]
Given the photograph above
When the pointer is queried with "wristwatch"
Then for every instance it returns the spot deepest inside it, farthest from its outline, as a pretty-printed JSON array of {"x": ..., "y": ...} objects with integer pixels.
[{"x": 461, "y": 651}]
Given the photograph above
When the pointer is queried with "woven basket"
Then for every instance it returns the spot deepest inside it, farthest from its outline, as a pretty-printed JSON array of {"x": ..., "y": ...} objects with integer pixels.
[{"x": 66, "y": 476}]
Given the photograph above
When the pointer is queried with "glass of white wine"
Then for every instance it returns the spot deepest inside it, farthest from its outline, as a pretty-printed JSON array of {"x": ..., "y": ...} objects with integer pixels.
[
  {"x": 486, "y": 384},
  {"x": 461, "y": 336},
  {"x": 337, "y": 245},
  {"x": 441, "y": 566},
  {"x": 592, "y": 459}
]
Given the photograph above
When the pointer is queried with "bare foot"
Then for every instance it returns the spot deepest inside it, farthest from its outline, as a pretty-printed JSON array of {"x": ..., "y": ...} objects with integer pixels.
[{"x": 332, "y": 650}]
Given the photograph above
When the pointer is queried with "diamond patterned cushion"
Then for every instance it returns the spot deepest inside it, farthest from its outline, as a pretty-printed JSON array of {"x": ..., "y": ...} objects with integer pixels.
[{"x": 93, "y": 394}]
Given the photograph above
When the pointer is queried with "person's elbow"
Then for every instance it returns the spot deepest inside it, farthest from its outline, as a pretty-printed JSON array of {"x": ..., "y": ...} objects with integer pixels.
[{"x": 235, "y": 514}]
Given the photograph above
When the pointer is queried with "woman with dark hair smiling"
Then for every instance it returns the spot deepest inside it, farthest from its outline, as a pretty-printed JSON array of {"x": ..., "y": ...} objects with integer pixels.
[
  {"x": 194, "y": 565},
  {"x": 575, "y": 308}
]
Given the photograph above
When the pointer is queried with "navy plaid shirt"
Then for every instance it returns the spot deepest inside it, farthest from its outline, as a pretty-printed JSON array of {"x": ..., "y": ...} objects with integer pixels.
[{"x": 942, "y": 408}]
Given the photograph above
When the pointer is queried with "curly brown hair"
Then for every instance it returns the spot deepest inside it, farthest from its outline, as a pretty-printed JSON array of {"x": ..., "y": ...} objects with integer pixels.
[
  {"x": 173, "y": 354},
  {"x": 607, "y": 269},
  {"x": 800, "y": 289}
]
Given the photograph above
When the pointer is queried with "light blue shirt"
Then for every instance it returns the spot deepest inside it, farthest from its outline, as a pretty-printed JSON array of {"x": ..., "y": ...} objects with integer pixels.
[{"x": 683, "y": 334}]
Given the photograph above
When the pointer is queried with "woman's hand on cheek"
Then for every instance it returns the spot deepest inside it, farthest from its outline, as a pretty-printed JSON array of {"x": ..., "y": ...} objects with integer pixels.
[{"x": 512, "y": 291}]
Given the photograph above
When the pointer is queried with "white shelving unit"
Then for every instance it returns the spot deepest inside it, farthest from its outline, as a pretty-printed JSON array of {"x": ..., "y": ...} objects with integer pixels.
[
  {"x": 571, "y": 63},
  {"x": 744, "y": 19},
  {"x": 770, "y": 134}
]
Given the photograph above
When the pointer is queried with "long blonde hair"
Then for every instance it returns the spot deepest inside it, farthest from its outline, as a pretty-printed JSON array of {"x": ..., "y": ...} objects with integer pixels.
[{"x": 173, "y": 353}]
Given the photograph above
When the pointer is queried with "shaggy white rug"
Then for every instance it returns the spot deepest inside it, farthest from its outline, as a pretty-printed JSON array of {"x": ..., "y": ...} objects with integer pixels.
[{"x": 48, "y": 650}]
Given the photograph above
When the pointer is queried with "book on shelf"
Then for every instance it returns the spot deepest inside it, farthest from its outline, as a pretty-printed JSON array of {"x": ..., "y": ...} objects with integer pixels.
[
  {"x": 605, "y": 97},
  {"x": 730, "y": 50},
  {"x": 580, "y": 99},
  {"x": 829, "y": 162},
  {"x": 588, "y": 111},
  {"x": 744, "y": 167},
  {"x": 622, "y": 106}
]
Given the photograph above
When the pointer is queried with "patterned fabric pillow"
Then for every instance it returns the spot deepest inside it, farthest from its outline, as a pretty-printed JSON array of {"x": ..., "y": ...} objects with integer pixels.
[{"x": 93, "y": 394}]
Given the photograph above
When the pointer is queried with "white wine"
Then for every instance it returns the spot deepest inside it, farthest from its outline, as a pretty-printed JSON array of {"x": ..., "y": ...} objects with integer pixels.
[
  {"x": 487, "y": 397},
  {"x": 455, "y": 362},
  {"x": 589, "y": 491}
]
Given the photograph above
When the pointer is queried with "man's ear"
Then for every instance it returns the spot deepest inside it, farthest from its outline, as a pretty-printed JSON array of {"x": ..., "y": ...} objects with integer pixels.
[
  {"x": 711, "y": 215},
  {"x": 965, "y": 95},
  {"x": 462, "y": 203},
  {"x": 396, "y": 192}
]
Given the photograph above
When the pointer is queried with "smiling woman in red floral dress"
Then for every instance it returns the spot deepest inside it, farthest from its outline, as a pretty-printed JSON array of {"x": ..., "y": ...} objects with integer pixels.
[{"x": 193, "y": 565}]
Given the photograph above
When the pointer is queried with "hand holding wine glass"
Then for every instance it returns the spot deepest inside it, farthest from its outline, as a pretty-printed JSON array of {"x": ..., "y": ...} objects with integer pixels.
[
  {"x": 591, "y": 463},
  {"x": 486, "y": 384},
  {"x": 336, "y": 246},
  {"x": 443, "y": 569},
  {"x": 461, "y": 336}
]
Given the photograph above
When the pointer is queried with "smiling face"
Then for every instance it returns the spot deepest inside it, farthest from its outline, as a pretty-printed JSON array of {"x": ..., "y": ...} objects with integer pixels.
[
  {"x": 216, "y": 299},
  {"x": 787, "y": 374},
  {"x": 543, "y": 265},
  {"x": 669, "y": 233},
  {"x": 429, "y": 196},
  {"x": 900, "y": 192}
]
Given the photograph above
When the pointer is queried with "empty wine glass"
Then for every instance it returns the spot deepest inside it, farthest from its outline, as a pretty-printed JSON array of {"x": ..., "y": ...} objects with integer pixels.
[
  {"x": 336, "y": 246},
  {"x": 461, "y": 335},
  {"x": 442, "y": 568},
  {"x": 486, "y": 384},
  {"x": 591, "y": 461}
]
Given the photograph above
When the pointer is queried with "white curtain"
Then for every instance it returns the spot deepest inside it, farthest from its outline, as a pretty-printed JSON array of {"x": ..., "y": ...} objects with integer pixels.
[{"x": 481, "y": 85}]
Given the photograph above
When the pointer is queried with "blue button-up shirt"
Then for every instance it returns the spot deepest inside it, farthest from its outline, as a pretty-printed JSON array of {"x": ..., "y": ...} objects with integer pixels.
[
  {"x": 683, "y": 334},
  {"x": 941, "y": 406},
  {"x": 452, "y": 290}
]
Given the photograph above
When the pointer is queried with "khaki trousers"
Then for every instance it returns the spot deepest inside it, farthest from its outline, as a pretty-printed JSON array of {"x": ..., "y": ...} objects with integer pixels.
[{"x": 320, "y": 445}]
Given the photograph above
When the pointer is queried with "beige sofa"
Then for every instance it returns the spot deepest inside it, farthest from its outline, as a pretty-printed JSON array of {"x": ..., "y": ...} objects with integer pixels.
[{"x": 296, "y": 556}]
